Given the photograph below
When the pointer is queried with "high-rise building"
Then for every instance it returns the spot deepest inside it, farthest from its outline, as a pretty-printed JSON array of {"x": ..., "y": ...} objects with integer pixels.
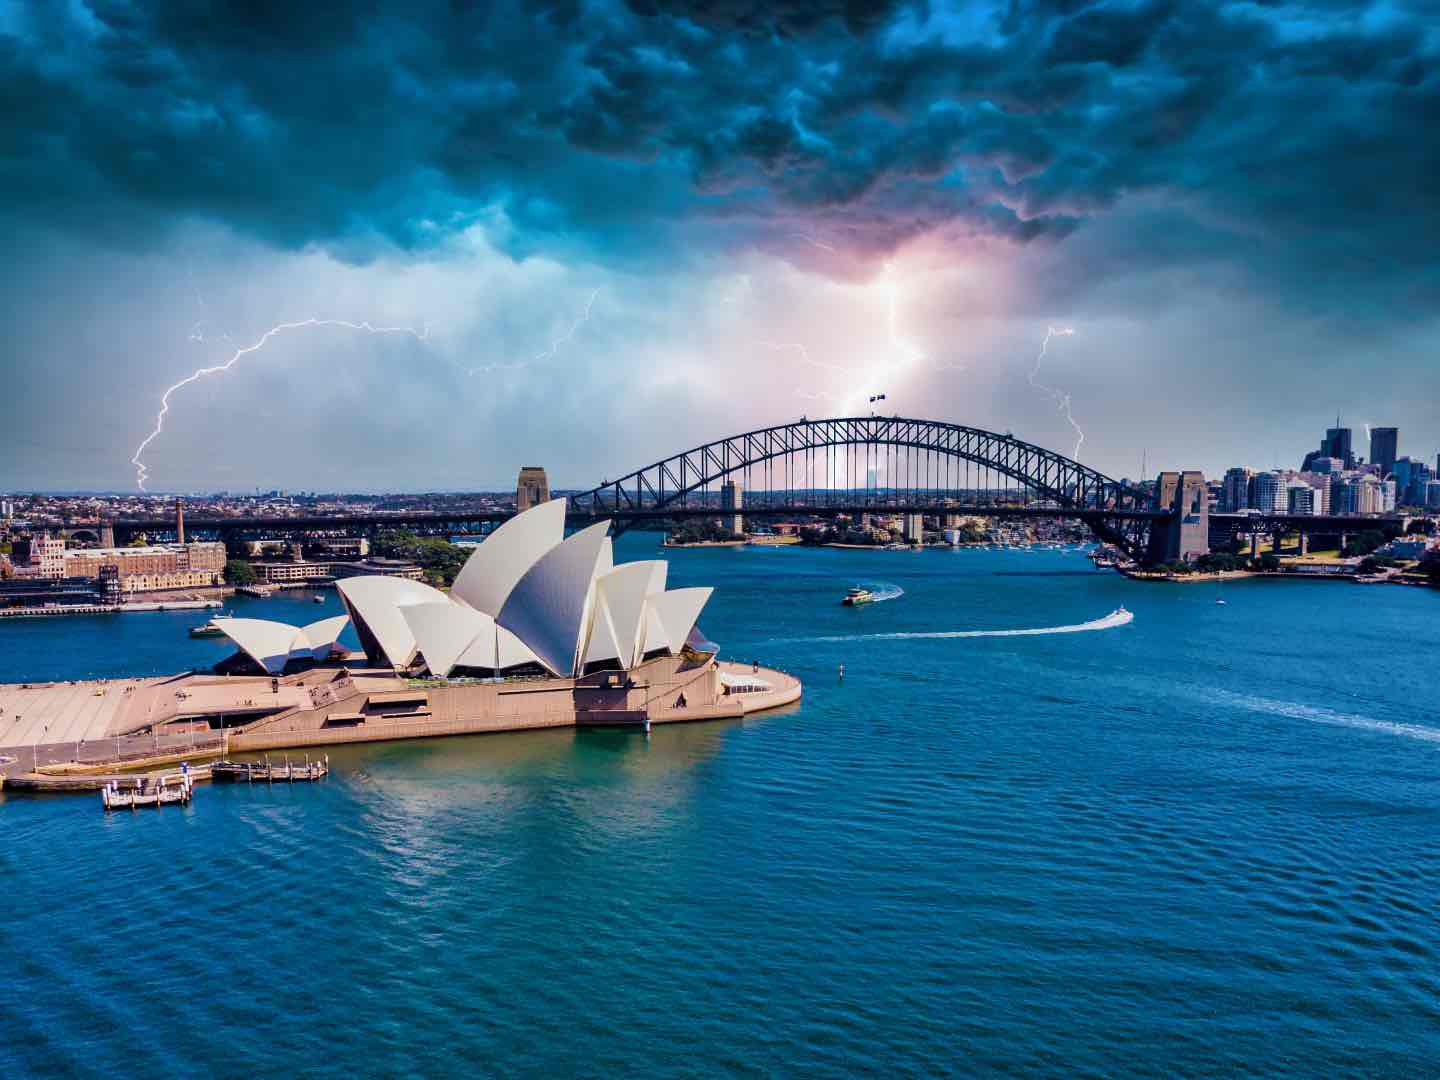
[
  {"x": 732, "y": 498},
  {"x": 1432, "y": 494},
  {"x": 532, "y": 489},
  {"x": 1337, "y": 444},
  {"x": 1384, "y": 445},
  {"x": 1301, "y": 498},
  {"x": 1267, "y": 492},
  {"x": 1388, "y": 496},
  {"x": 1235, "y": 491},
  {"x": 914, "y": 529}
]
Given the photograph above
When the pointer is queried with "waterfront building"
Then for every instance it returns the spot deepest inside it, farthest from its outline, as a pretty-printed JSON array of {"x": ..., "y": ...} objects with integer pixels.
[
  {"x": 154, "y": 566},
  {"x": 914, "y": 529},
  {"x": 397, "y": 568},
  {"x": 276, "y": 573},
  {"x": 47, "y": 555},
  {"x": 1384, "y": 445},
  {"x": 1235, "y": 490},
  {"x": 532, "y": 489}
]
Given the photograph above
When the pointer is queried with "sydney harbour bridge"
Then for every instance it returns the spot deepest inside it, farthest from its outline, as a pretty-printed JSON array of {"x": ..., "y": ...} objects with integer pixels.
[{"x": 820, "y": 469}]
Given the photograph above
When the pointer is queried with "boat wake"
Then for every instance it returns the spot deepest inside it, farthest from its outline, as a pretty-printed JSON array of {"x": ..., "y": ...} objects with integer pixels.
[
  {"x": 883, "y": 590},
  {"x": 1118, "y": 617},
  {"x": 1334, "y": 718}
]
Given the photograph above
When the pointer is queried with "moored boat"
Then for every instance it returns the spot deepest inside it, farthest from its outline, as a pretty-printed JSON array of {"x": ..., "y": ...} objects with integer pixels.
[{"x": 207, "y": 629}]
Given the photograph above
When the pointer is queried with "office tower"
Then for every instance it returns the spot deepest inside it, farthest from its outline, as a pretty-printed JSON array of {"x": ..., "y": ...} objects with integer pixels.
[{"x": 1384, "y": 445}]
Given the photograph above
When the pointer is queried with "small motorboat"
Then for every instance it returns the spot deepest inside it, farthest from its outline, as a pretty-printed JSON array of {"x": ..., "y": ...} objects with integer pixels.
[
  {"x": 1219, "y": 600},
  {"x": 318, "y": 598},
  {"x": 858, "y": 595},
  {"x": 208, "y": 629}
]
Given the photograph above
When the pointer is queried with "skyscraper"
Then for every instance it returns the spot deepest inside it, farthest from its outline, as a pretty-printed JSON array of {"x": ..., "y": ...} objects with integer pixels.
[
  {"x": 1337, "y": 444},
  {"x": 1384, "y": 446},
  {"x": 1235, "y": 492}
]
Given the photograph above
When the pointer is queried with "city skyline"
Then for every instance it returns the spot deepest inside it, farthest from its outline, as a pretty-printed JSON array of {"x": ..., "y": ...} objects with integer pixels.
[{"x": 701, "y": 220}]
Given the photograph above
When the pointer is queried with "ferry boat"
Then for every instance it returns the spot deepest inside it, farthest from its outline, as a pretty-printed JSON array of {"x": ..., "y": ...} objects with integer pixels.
[
  {"x": 858, "y": 595},
  {"x": 208, "y": 629}
]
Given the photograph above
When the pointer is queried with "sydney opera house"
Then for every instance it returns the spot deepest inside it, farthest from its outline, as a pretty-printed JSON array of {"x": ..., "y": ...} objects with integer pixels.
[{"x": 539, "y": 629}]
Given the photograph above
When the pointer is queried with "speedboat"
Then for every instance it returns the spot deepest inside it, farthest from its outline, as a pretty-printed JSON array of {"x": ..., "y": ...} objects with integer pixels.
[
  {"x": 1219, "y": 600},
  {"x": 858, "y": 595}
]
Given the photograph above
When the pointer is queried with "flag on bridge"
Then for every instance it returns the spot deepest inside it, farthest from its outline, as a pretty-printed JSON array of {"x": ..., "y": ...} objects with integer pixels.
[{"x": 876, "y": 397}]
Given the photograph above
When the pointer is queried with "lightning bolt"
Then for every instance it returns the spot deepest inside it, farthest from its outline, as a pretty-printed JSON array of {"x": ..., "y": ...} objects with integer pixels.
[
  {"x": 1061, "y": 399},
  {"x": 816, "y": 243},
  {"x": 545, "y": 354},
  {"x": 142, "y": 472},
  {"x": 804, "y": 353}
]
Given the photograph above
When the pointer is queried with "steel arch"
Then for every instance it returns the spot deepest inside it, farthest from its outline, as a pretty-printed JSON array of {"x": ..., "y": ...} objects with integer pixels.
[{"x": 1069, "y": 484}]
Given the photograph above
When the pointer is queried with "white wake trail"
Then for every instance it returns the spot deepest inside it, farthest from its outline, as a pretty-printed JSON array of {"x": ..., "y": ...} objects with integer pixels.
[
  {"x": 1119, "y": 617},
  {"x": 1319, "y": 715}
]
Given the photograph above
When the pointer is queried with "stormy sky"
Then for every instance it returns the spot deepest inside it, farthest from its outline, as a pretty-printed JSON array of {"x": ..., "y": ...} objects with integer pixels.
[{"x": 618, "y": 229}]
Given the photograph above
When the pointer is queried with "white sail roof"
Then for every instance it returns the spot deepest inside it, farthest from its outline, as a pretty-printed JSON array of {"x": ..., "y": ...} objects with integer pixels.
[
  {"x": 374, "y": 604},
  {"x": 492, "y": 571},
  {"x": 266, "y": 642},
  {"x": 623, "y": 592},
  {"x": 655, "y": 636},
  {"x": 322, "y": 635},
  {"x": 452, "y": 635},
  {"x": 678, "y": 611},
  {"x": 444, "y": 631},
  {"x": 603, "y": 643},
  {"x": 549, "y": 606},
  {"x": 272, "y": 644}
]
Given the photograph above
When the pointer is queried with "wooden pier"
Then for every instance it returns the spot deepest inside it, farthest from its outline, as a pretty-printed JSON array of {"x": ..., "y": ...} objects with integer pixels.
[{"x": 266, "y": 772}]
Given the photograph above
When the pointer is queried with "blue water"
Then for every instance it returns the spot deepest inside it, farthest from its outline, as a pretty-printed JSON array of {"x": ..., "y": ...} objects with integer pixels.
[{"x": 1206, "y": 843}]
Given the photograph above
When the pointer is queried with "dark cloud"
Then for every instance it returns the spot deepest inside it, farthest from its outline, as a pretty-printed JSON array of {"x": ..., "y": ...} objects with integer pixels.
[{"x": 635, "y": 128}]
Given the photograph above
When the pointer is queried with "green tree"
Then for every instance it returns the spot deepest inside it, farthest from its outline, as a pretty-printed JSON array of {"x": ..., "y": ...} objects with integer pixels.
[
  {"x": 1218, "y": 561},
  {"x": 1364, "y": 543},
  {"x": 240, "y": 572},
  {"x": 439, "y": 559}
]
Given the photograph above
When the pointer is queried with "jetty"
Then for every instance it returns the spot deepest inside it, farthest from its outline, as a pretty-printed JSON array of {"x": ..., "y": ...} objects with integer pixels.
[
  {"x": 69, "y": 783},
  {"x": 171, "y": 789},
  {"x": 265, "y": 772}
]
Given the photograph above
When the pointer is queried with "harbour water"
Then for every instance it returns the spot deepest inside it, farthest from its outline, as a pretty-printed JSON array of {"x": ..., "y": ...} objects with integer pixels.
[{"x": 1205, "y": 842}]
